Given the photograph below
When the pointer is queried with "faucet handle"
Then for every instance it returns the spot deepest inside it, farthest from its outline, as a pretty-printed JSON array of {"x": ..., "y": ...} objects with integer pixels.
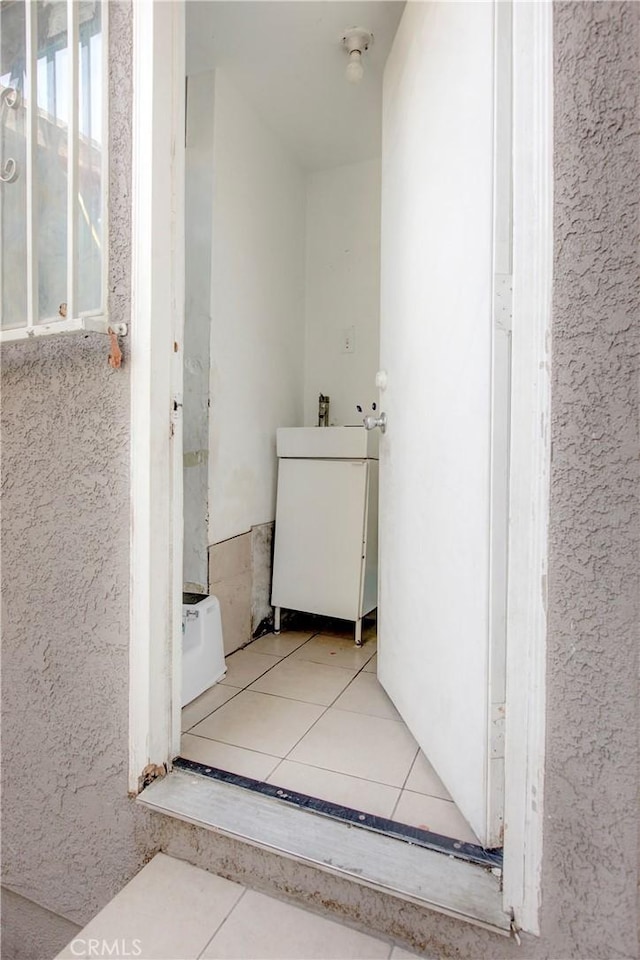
[{"x": 370, "y": 423}]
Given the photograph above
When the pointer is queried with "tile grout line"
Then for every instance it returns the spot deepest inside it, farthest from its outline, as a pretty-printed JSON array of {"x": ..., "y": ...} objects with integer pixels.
[
  {"x": 354, "y": 713},
  {"x": 305, "y": 733},
  {"x": 281, "y": 760},
  {"x": 313, "y": 766},
  {"x": 403, "y": 787},
  {"x": 318, "y": 718},
  {"x": 316, "y": 663},
  {"x": 222, "y": 922},
  {"x": 243, "y": 690},
  {"x": 248, "y": 645},
  {"x": 278, "y": 660},
  {"x": 260, "y": 676},
  {"x": 284, "y": 696},
  {"x": 276, "y": 696},
  {"x": 327, "y": 707},
  {"x": 273, "y": 772},
  {"x": 206, "y": 716},
  {"x": 357, "y": 673},
  {"x": 225, "y": 743},
  {"x": 340, "y": 773},
  {"x": 411, "y": 766}
]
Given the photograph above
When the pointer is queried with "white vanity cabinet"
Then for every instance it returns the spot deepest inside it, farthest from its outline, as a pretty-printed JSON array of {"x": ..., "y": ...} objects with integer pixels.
[{"x": 326, "y": 532}]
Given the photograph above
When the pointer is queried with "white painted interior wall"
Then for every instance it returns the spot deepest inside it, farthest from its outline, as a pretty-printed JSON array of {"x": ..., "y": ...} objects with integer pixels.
[
  {"x": 197, "y": 331},
  {"x": 290, "y": 145},
  {"x": 294, "y": 265},
  {"x": 257, "y": 308},
  {"x": 342, "y": 297}
]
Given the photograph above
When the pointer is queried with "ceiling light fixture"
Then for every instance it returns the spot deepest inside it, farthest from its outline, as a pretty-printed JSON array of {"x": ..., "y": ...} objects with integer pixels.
[{"x": 356, "y": 42}]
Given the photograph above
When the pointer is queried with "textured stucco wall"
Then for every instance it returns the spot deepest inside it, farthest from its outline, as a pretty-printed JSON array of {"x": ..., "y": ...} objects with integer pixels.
[
  {"x": 592, "y": 767},
  {"x": 70, "y": 834}
]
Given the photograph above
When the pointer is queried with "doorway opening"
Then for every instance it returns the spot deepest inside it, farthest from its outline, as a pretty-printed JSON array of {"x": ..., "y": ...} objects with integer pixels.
[
  {"x": 469, "y": 890},
  {"x": 282, "y": 333}
]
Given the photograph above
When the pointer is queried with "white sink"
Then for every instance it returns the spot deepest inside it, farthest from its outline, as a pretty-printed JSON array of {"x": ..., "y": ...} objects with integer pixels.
[{"x": 329, "y": 443}]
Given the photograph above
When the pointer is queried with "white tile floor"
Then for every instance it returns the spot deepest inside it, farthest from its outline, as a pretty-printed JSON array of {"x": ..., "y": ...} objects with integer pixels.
[
  {"x": 174, "y": 911},
  {"x": 306, "y": 712}
]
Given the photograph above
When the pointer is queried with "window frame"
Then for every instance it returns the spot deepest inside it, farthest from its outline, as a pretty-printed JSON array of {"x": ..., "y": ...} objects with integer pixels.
[
  {"x": 156, "y": 428},
  {"x": 91, "y": 321}
]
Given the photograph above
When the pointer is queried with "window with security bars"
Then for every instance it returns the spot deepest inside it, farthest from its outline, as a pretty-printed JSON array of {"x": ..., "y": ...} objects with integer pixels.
[{"x": 53, "y": 139}]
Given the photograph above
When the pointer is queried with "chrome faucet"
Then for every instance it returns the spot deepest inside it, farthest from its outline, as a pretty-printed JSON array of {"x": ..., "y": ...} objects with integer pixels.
[{"x": 323, "y": 410}]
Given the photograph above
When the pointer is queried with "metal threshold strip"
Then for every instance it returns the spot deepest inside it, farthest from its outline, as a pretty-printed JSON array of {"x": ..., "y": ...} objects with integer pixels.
[
  {"x": 357, "y": 818},
  {"x": 427, "y": 875}
]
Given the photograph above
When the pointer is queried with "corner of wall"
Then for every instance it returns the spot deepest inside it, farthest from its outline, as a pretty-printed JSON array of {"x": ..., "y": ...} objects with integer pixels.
[
  {"x": 29, "y": 932},
  {"x": 240, "y": 577}
]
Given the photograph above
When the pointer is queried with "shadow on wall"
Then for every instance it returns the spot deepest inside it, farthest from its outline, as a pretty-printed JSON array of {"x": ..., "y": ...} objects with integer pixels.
[{"x": 30, "y": 932}]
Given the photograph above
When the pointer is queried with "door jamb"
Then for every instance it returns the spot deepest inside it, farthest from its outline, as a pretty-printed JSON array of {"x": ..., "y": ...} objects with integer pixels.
[
  {"x": 156, "y": 445},
  {"x": 530, "y": 458},
  {"x": 156, "y": 388}
]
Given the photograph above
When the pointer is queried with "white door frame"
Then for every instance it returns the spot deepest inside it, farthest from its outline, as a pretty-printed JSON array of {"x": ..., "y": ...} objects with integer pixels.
[
  {"x": 156, "y": 385},
  {"x": 530, "y": 454},
  {"x": 156, "y": 444}
]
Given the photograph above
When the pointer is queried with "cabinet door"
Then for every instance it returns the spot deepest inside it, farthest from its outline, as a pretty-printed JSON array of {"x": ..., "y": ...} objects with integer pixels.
[{"x": 319, "y": 536}]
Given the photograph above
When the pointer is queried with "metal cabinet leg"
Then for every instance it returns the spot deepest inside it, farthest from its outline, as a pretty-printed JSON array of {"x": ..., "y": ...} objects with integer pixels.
[
  {"x": 359, "y": 632},
  {"x": 276, "y": 619}
]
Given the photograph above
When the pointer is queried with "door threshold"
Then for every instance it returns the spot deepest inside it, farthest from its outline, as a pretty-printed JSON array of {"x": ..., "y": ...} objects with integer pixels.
[
  {"x": 403, "y": 867},
  {"x": 470, "y": 852}
]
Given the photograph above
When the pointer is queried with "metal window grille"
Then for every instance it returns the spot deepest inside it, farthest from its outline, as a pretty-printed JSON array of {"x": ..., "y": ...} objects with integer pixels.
[{"x": 53, "y": 167}]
